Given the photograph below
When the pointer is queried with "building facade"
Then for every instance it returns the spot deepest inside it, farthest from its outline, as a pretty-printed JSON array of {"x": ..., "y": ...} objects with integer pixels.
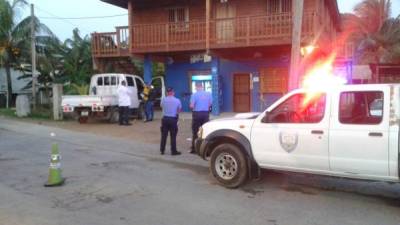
[{"x": 239, "y": 49}]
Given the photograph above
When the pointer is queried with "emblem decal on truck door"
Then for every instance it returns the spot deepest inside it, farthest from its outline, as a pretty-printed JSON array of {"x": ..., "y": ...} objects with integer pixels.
[{"x": 288, "y": 141}]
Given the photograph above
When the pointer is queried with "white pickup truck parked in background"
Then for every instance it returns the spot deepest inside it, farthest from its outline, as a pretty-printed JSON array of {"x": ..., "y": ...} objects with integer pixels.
[
  {"x": 102, "y": 101},
  {"x": 345, "y": 131}
]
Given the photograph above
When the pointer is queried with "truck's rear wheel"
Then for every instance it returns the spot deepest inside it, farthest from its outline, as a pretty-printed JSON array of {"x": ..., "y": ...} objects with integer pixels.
[
  {"x": 141, "y": 114},
  {"x": 114, "y": 115},
  {"x": 83, "y": 119},
  {"x": 228, "y": 165}
]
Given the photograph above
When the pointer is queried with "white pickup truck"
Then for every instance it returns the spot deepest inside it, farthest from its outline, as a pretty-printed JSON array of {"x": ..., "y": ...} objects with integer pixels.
[
  {"x": 346, "y": 131},
  {"x": 102, "y": 101}
]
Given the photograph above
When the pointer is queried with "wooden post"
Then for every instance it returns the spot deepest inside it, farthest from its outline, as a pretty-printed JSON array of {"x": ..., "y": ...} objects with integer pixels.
[
  {"x": 297, "y": 18},
  {"x": 167, "y": 36},
  {"x": 33, "y": 55},
  {"x": 208, "y": 14},
  {"x": 118, "y": 41},
  {"x": 248, "y": 31},
  {"x": 57, "y": 93},
  {"x": 130, "y": 25}
]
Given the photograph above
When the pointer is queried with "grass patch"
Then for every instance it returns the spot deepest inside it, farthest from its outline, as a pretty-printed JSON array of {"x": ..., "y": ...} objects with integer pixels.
[
  {"x": 41, "y": 113},
  {"x": 10, "y": 112}
]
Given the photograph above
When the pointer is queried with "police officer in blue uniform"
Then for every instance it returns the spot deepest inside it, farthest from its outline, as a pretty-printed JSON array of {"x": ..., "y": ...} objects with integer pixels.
[
  {"x": 200, "y": 103},
  {"x": 171, "y": 107}
]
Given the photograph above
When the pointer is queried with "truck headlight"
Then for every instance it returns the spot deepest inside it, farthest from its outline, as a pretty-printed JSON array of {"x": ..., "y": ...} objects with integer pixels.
[{"x": 200, "y": 132}]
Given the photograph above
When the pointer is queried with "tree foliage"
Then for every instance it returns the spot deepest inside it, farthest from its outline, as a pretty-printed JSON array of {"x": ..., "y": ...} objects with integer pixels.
[
  {"x": 77, "y": 62},
  {"x": 15, "y": 38},
  {"x": 376, "y": 34}
]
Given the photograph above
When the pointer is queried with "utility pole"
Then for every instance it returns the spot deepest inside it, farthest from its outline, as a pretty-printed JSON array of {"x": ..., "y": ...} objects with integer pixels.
[
  {"x": 382, "y": 13},
  {"x": 208, "y": 13},
  {"x": 33, "y": 50},
  {"x": 297, "y": 18}
]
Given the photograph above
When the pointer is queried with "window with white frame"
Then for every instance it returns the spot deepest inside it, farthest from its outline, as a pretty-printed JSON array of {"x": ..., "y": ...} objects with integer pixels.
[
  {"x": 279, "y": 6},
  {"x": 178, "y": 17}
]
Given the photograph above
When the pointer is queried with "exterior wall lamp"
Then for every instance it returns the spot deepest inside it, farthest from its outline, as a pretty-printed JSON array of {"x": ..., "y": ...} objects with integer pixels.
[{"x": 307, "y": 50}]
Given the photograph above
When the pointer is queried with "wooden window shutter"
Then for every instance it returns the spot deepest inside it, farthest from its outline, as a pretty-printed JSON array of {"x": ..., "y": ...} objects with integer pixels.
[
  {"x": 279, "y": 6},
  {"x": 274, "y": 80}
]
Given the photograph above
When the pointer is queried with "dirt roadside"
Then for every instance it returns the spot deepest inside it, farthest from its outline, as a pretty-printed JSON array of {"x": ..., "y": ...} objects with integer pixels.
[{"x": 144, "y": 132}]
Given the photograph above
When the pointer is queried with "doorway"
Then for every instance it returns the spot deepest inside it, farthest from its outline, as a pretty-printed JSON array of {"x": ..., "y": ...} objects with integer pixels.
[{"x": 241, "y": 92}]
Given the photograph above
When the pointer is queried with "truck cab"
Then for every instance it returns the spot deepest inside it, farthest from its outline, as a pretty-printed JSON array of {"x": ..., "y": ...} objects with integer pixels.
[
  {"x": 346, "y": 131},
  {"x": 107, "y": 84}
]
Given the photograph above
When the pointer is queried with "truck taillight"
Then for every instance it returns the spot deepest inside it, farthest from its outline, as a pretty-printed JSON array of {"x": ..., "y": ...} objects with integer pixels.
[{"x": 67, "y": 108}]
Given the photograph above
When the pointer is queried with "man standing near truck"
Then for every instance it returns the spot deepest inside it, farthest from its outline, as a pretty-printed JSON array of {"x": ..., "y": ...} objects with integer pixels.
[
  {"x": 200, "y": 103},
  {"x": 149, "y": 95},
  {"x": 124, "y": 101}
]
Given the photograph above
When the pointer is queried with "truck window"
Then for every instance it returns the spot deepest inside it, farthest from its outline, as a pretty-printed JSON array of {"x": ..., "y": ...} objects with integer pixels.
[
  {"x": 299, "y": 108},
  {"x": 100, "y": 81},
  {"x": 361, "y": 107},
  {"x": 106, "y": 81},
  {"x": 113, "y": 81},
  {"x": 129, "y": 80},
  {"x": 157, "y": 85}
]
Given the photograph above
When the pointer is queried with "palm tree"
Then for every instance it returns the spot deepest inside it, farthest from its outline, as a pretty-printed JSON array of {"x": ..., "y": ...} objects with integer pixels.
[
  {"x": 78, "y": 63},
  {"x": 15, "y": 38},
  {"x": 377, "y": 35},
  {"x": 372, "y": 15}
]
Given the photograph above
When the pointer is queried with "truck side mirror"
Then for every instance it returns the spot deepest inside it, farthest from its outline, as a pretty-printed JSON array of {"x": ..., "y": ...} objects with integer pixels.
[{"x": 94, "y": 90}]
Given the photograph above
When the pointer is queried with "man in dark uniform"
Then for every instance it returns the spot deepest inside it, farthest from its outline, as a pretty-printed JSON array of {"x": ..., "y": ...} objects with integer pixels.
[
  {"x": 171, "y": 107},
  {"x": 200, "y": 103}
]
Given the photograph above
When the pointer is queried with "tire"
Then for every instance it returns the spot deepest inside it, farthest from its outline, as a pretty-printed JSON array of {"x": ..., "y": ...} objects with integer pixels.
[
  {"x": 114, "y": 115},
  {"x": 228, "y": 165},
  {"x": 83, "y": 119}
]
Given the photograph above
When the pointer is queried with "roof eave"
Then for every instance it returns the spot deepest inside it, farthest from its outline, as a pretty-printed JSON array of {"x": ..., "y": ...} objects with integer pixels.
[{"x": 119, "y": 3}]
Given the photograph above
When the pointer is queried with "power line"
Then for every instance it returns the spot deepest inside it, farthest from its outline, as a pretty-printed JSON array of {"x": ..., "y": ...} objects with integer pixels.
[
  {"x": 88, "y": 17},
  {"x": 60, "y": 18}
]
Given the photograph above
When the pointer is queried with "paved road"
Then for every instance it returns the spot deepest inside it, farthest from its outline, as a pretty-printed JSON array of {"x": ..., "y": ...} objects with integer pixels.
[{"x": 115, "y": 181}]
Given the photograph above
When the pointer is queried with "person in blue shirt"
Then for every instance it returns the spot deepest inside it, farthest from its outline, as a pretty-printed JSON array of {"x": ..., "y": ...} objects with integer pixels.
[
  {"x": 200, "y": 103},
  {"x": 171, "y": 108}
]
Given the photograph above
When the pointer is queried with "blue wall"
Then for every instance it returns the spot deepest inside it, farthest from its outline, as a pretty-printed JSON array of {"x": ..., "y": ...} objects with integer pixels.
[{"x": 177, "y": 76}]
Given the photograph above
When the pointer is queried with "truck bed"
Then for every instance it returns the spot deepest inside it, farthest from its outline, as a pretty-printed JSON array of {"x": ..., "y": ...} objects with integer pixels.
[{"x": 89, "y": 100}]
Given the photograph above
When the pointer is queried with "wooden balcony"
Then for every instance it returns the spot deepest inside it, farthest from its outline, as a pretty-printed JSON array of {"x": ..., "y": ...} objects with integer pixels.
[
  {"x": 224, "y": 33},
  {"x": 111, "y": 44}
]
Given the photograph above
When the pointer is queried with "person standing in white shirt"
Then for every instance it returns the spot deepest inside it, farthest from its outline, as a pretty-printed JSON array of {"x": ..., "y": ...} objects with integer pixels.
[{"x": 124, "y": 101}]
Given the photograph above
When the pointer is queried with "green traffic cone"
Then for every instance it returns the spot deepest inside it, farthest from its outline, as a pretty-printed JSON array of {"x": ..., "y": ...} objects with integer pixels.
[{"x": 55, "y": 178}]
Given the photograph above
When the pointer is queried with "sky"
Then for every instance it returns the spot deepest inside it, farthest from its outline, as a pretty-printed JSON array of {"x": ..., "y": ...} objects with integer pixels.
[{"x": 57, "y": 10}]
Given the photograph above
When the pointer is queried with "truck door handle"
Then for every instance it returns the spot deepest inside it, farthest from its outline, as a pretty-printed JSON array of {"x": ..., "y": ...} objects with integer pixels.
[
  {"x": 375, "y": 134},
  {"x": 317, "y": 132}
]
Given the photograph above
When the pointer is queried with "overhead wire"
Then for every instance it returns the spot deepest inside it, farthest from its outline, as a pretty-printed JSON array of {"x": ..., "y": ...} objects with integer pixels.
[
  {"x": 83, "y": 18},
  {"x": 63, "y": 19}
]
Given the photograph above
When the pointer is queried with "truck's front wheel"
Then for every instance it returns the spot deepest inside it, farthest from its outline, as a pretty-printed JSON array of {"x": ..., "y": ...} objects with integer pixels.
[{"x": 228, "y": 165}]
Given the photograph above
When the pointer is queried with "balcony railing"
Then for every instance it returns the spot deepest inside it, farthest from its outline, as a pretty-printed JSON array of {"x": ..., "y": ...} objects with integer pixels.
[
  {"x": 235, "y": 32},
  {"x": 111, "y": 43}
]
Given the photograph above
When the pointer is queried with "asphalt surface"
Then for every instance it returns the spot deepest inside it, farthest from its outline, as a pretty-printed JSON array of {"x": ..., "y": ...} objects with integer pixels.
[{"x": 117, "y": 181}]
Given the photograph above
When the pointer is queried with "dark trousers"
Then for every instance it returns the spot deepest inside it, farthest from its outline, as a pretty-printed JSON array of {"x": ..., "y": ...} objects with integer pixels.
[
  {"x": 123, "y": 115},
  {"x": 198, "y": 119},
  {"x": 169, "y": 124},
  {"x": 149, "y": 105}
]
